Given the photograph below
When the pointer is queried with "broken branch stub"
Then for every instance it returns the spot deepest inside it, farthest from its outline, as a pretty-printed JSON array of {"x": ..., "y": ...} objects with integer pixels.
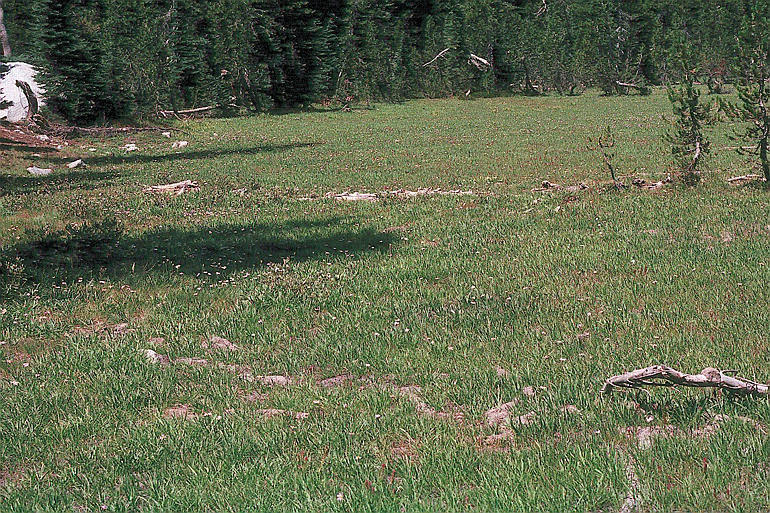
[
  {"x": 664, "y": 376},
  {"x": 480, "y": 63}
]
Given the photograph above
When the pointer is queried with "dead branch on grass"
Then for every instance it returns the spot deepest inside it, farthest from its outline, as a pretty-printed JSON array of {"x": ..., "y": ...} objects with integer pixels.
[
  {"x": 176, "y": 189},
  {"x": 397, "y": 193},
  {"x": 189, "y": 112},
  {"x": 642, "y": 89},
  {"x": 664, "y": 376},
  {"x": 745, "y": 178}
]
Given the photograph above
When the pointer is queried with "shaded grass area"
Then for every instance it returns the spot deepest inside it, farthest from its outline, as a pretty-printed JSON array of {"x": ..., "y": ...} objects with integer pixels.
[{"x": 558, "y": 289}]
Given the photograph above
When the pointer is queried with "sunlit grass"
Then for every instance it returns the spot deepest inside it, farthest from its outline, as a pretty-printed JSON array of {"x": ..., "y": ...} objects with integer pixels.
[{"x": 559, "y": 289}]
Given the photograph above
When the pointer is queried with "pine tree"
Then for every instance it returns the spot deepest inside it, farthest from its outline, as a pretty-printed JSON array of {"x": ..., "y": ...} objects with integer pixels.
[
  {"x": 75, "y": 79},
  {"x": 110, "y": 58},
  {"x": 754, "y": 91},
  {"x": 689, "y": 145}
]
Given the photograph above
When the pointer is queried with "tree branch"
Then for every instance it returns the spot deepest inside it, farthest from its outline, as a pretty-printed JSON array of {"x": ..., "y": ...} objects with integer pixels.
[
  {"x": 664, "y": 376},
  {"x": 437, "y": 57},
  {"x": 32, "y": 105}
]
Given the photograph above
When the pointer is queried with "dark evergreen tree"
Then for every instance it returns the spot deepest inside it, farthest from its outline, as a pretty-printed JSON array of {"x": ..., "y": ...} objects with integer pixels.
[
  {"x": 70, "y": 45},
  {"x": 110, "y": 58}
]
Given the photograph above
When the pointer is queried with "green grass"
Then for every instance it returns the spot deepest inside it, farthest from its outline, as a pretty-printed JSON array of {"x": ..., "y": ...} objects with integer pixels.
[{"x": 434, "y": 291}]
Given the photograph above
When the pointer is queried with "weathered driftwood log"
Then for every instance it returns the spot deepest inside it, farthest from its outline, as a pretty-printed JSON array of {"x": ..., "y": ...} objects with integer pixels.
[
  {"x": 664, "y": 376},
  {"x": 167, "y": 113},
  {"x": 744, "y": 178},
  {"x": 177, "y": 189},
  {"x": 188, "y": 112}
]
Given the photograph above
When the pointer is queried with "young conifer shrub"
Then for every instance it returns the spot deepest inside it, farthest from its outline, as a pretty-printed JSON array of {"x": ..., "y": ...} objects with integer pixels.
[
  {"x": 754, "y": 90},
  {"x": 689, "y": 145}
]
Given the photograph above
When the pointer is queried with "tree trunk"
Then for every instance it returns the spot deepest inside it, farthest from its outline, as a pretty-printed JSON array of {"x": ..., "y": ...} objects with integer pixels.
[
  {"x": 32, "y": 105},
  {"x": 763, "y": 158},
  {"x": 4, "y": 34}
]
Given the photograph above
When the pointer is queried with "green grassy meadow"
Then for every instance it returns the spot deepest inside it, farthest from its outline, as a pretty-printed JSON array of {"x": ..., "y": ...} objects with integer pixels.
[{"x": 472, "y": 298}]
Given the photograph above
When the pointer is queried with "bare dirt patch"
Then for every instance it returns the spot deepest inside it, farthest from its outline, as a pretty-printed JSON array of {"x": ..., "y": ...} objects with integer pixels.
[
  {"x": 180, "y": 411},
  {"x": 502, "y": 372},
  {"x": 100, "y": 327},
  {"x": 10, "y": 477},
  {"x": 247, "y": 374},
  {"x": 274, "y": 380},
  {"x": 336, "y": 381},
  {"x": 645, "y": 436},
  {"x": 393, "y": 229},
  {"x": 254, "y": 397},
  {"x": 500, "y": 414},
  {"x": 193, "y": 362},
  {"x": 185, "y": 412},
  {"x": 405, "y": 449},
  {"x": 414, "y": 394},
  {"x": 272, "y": 412},
  {"x": 503, "y": 419},
  {"x": 216, "y": 343}
]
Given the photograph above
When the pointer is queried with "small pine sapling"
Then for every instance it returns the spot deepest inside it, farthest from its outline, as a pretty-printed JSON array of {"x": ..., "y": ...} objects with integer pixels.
[
  {"x": 687, "y": 138},
  {"x": 605, "y": 144},
  {"x": 754, "y": 91}
]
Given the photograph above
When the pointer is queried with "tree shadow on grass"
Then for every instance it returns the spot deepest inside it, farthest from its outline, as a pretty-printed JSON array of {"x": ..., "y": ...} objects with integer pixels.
[
  {"x": 209, "y": 253},
  {"x": 8, "y": 145},
  {"x": 287, "y": 111},
  {"x": 140, "y": 158},
  {"x": 682, "y": 406},
  {"x": 57, "y": 181}
]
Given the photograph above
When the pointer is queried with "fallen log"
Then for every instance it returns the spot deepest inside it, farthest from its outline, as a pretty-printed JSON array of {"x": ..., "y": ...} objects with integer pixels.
[
  {"x": 643, "y": 89},
  {"x": 177, "y": 189},
  {"x": 166, "y": 113},
  {"x": 744, "y": 178},
  {"x": 198, "y": 110},
  {"x": 664, "y": 376}
]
